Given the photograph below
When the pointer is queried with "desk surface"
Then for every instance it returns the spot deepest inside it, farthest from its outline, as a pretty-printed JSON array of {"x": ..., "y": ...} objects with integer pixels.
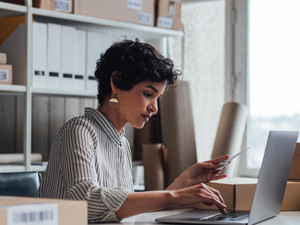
[{"x": 284, "y": 218}]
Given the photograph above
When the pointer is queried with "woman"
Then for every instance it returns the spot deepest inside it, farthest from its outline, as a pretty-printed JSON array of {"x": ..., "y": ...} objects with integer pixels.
[{"x": 91, "y": 159}]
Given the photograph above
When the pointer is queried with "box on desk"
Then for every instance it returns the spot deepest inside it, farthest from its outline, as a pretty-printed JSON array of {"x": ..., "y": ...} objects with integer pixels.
[
  {"x": 6, "y": 75},
  {"x": 40, "y": 210},
  {"x": 229, "y": 187},
  {"x": 238, "y": 194},
  {"x": 295, "y": 167},
  {"x": 132, "y": 11}
]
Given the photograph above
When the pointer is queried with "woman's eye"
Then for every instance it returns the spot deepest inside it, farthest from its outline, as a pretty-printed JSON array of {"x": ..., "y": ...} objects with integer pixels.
[{"x": 147, "y": 94}]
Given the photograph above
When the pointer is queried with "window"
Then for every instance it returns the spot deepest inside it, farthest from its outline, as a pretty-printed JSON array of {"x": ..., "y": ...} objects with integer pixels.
[{"x": 273, "y": 72}]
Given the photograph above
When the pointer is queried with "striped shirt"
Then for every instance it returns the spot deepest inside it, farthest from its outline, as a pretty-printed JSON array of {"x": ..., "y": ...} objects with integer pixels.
[{"x": 90, "y": 161}]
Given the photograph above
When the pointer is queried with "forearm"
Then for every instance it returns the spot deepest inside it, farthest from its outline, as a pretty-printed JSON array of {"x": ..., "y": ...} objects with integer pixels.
[{"x": 142, "y": 202}]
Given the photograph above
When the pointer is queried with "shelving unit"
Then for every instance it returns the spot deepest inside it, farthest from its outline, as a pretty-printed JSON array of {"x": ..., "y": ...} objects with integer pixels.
[{"x": 79, "y": 22}]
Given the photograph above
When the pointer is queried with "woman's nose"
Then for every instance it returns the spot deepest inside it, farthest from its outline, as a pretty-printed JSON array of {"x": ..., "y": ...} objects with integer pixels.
[{"x": 153, "y": 107}]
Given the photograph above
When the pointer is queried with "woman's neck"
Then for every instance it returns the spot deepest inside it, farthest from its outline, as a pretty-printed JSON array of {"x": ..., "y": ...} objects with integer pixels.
[{"x": 113, "y": 116}]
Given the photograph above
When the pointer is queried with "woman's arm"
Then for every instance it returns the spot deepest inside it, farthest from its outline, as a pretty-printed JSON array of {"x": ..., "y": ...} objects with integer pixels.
[{"x": 149, "y": 201}]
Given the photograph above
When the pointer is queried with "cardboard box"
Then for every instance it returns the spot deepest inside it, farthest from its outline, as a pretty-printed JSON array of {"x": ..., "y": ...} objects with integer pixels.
[
  {"x": 295, "y": 167},
  {"x": 3, "y": 58},
  {"x": 68, "y": 211},
  {"x": 56, "y": 5},
  {"x": 169, "y": 14},
  {"x": 227, "y": 187},
  {"x": 238, "y": 194},
  {"x": 6, "y": 75},
  {"x": 132, "y": 11}
]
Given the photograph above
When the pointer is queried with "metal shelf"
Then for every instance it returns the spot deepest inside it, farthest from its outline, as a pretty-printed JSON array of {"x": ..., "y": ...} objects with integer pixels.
[
  {"x": 64, "y": 92},
  {"x": 8, "y": 9},
  {"x": 12, "y": 88}
]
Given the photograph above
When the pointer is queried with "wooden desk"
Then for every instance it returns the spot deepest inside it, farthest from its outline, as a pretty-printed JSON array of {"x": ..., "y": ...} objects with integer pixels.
[{"x": 284, "y": 218}]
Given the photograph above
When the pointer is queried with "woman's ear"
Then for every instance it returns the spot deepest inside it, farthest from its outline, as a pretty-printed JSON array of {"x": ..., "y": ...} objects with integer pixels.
[{"x": 114, "y": 89}]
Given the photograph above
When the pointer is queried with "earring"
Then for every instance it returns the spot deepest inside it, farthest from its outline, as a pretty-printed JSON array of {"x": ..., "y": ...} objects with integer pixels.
[{"x": 113, "y": 102}]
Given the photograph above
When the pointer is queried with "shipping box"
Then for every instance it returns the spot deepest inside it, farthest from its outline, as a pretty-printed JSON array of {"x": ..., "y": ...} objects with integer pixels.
[
  {"x": 238, "y": 194},
  {"x": 3, "y": 58},
  {"x": 6, "y": 76},
  {"x": 132, "y": 11},
  {"x": 56, "y": 5},
  {"x": 38, "y": 210},
  {"x": 169, "y": 14},
  {"x": 295, "y": 167}
]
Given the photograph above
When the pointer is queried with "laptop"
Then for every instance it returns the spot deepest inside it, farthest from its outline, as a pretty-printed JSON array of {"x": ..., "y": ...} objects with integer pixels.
[{"x": 269, "y": 190}]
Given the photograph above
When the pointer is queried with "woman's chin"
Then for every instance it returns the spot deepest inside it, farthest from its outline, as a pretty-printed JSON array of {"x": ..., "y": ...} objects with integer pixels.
[{"x": 138, "y": 126}]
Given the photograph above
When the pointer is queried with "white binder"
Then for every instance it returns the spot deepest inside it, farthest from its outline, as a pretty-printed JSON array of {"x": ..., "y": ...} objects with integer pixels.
[
  {"x": 79, "y": 60},
  {"x": 39, "y": 55},
  {"x": 54, "y": 56},
  {"x": 67, "y": 56},
  {"x": 97, "y": 43}
]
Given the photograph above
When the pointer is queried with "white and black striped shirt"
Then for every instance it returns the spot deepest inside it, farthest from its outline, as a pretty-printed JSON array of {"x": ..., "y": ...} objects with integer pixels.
[{"x": 90, "y": 161}]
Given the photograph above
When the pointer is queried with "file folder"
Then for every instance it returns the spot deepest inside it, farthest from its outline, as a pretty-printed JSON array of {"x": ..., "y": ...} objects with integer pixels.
[
  {"x": 39, "y": 54},
  {"x": 67, "y": 56},
  {"x": 54, "y": 56},
  {"x": 79, "y": 60},
  {"x": 97, "y": 43}
]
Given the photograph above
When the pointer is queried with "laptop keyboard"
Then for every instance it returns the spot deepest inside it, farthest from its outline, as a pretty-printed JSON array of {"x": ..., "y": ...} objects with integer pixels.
[{"x": 230, "y": 216}]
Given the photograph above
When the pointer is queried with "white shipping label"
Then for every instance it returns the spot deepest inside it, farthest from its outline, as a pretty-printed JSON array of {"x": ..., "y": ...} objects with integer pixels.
[
  {"x": 64, "y": 6},
  {"x": 135, "y": 4},
  {"x": 4, "y": 75},
  {"x": 145, "y": 18},
  {"x": 32, "y": 214},
  {"x": 165, "y": 22}
]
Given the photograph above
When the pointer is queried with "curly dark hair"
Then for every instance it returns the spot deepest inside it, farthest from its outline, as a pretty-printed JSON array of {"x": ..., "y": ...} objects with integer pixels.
[{"x": 132, "y": 62}]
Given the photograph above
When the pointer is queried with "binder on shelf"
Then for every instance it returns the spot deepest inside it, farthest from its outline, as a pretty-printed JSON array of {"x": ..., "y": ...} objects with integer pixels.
[
  {"x": 54, "y": 56},
  {"x": 39, "y": 54},
  {"x": 79, "y": 60},
  {"x": 67, "y": 56},
  {"x": 97, "y": 43}
]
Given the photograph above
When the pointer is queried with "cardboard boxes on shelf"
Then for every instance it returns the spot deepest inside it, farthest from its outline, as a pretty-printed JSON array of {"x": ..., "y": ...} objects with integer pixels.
[
  {"x": 238, "y": 194},
  {"x": 42, "y": 211},
  {"x": 5, "y": 70},
  {"x": 56, "y": 5},
  {"x": 132, "y": 11},
  {"x": 169, "y": 14}
]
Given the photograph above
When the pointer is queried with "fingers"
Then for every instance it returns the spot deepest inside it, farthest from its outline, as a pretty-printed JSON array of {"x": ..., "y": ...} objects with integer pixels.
[{"x": 213, "y": 197}]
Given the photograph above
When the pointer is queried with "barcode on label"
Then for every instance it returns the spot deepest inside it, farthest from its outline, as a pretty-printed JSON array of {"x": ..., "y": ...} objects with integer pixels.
[
  {"x": 4, "y": 75},
  {"x": 33, "y": 217},
  {"x": 145, "y": 18},
  {"x": 134, "y": 4},
  {"x": 165, "y": 22},
  {"x": 64, "y": 6},
  {"x": 45, "y": 214}
]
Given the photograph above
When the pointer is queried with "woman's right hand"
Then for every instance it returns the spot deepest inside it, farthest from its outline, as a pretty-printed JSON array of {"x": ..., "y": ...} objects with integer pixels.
[{"x": 199, "y": 193}]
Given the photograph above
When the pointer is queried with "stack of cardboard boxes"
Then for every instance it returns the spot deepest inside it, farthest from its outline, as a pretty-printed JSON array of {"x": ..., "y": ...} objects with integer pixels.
[
  {"x": 238, "y": 193},
  {"x": 6, "y": 75}
]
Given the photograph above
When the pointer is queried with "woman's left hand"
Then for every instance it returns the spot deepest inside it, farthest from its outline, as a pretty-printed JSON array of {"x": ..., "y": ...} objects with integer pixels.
[{"x": 199, "y": 173}]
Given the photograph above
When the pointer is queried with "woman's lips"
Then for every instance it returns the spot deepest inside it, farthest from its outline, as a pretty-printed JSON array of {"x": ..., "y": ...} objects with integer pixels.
[{"x": 146, "y": 117}]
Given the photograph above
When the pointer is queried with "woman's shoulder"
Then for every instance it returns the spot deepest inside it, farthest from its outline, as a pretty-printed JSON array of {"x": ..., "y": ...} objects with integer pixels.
[{"x": 81, "y": 123}]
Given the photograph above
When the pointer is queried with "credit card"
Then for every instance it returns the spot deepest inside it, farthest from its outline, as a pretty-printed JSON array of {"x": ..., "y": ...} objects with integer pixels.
[{"x": 223, "y": 164}]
